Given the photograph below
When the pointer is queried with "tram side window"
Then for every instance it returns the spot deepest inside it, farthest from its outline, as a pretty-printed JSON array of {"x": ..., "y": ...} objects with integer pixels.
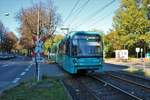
[
  {"x": 55, "y": 50},
  {"x": 67, "y": 47},
  {"x": 74, "y": 47},
  {"x": 62, "y": 49},
  {"x": 74, "y": 50}
]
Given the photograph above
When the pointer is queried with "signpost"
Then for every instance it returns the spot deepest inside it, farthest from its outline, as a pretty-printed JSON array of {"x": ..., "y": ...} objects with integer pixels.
[
  {"x": 39, "y": 50},
  {"x": 38, "y": 56},
  {"x": 137, "y": 51},
  {"x": 141, "y": 54}
]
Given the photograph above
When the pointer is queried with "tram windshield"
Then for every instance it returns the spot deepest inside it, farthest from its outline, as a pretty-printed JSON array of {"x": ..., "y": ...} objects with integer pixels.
[{"x": 87, "y": 46}]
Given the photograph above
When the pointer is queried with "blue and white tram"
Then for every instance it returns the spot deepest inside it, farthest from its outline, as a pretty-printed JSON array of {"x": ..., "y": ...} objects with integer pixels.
[{"x": 79, "y": 51}]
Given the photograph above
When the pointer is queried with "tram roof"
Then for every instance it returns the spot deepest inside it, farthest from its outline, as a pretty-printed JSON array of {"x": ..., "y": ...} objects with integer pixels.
[{"x": 71, "y": 34}]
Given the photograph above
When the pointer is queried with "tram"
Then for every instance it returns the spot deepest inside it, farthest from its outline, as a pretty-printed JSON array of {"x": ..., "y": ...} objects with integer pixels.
[{"x": 79, "y": 51}]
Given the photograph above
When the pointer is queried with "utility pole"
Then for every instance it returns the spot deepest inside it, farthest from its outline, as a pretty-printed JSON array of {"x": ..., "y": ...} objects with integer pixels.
[
  {"x": 38, "y": 67},
  {"x": 38, "y": 20},
  {"x": 37, "y": 72}
]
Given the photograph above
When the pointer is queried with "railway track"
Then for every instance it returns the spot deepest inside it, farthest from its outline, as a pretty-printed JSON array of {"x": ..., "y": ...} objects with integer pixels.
[
  {"x": 78, "y": 89},
  {"x": 135, "y": 75},
  {"x": 92, "y": 88},
  {"x": 125, "y": 95},
  {"x": 135, "y": 79},
  {"x": 136, "y": 87}
]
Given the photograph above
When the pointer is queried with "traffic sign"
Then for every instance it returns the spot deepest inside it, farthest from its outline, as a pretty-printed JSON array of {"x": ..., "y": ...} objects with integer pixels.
[
  {"x": 38, "y": 48},
  {"x": 38, "y": 59},
  {"x": 39, "y": 43},
  {"x": 141, "y": 49},
  {"x": 38, "y": 55},
  {"x": 38, "y": 51},
  {"x": 137, "y": 50}
]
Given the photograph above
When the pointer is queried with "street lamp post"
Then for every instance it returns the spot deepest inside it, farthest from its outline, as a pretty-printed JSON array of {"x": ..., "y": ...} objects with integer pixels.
[
  {"x": 5, "y": 14},
  {"x": 67, "y": 29}
]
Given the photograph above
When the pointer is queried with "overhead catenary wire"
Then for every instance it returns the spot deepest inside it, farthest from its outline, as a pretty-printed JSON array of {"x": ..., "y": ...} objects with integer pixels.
[
  {"x": 77, "y": 2},
  {"x": 96, "y": 13},
  {"x": 100, "y": 19},
  {"x": 80, "y": 9},
  {"x": 69, "y": 14}
]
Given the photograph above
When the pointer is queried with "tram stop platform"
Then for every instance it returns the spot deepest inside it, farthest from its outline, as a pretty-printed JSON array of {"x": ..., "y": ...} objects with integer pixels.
[{"x": 51, "y": 69}]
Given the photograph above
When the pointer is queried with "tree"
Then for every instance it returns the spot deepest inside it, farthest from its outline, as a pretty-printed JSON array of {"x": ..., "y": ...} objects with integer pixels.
[
  {"x": 130, "y": 19},
  {"x": 9, "y": 41},
  {"x": 2, "y": 31},
  {"x": 130, "y": 25},
  {"x": 112, "y": 42},
  {"x": 30, "y": 25},
  {"x": 49, "y": 42},
  {"x": 17, "y": 47}
]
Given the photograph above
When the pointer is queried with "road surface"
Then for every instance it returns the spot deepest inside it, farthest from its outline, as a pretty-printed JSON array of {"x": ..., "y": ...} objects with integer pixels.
[
  {"x": 14, "y": 70},
  {"x": 22, "y": 68}
]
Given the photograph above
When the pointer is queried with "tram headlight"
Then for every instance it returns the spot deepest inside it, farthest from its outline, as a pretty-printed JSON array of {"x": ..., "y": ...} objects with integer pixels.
[
  {"x": 100, "y": 61},
  {"x": 75, "y": 62}
]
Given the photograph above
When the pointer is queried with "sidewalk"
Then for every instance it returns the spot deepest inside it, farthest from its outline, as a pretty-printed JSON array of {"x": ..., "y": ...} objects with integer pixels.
[
  {"x": 51, "y": 70},
  {"x": 131, "y": 62}
]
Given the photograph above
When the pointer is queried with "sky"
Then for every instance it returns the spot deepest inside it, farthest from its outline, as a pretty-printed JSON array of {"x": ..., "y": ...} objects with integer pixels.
[{"x": 89, "y": 17}]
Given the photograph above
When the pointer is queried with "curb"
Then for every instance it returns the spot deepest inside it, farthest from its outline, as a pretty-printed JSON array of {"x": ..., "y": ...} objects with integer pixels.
[
  {"x": 68, "y": 94},
  {"x": 120, "y": 65},
  {"x": 9, "y": 86}
]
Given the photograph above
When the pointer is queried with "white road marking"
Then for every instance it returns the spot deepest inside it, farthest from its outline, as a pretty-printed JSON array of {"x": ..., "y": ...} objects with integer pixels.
[
  {"x": 23, "y": 73},
  {"x": 5, "y": 65},
  {"x": 27, "y": 69},
  {"x": 12, "y": 62},
  {"x": 16, "y": 80},
  {"x": 30, "y": 66}
]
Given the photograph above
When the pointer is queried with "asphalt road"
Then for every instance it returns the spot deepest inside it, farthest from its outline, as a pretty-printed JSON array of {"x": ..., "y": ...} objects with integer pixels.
[
  {"x": 14, "y": 71},
  {"x": 21, "y": 68},
  {"x": 113, "y": 67}
]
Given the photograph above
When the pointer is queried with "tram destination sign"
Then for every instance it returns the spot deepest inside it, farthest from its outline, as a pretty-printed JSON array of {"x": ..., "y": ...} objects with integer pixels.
[{"x": 86, "y": 37}]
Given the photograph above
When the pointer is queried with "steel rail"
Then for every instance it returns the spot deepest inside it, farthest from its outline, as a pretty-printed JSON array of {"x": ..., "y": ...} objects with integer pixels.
[
  {"x": 129, "y": 81},
  {"x": 133, "y": 75},
  {"x": 113, "y": 86},
  {"x": 81, "y": 83}
]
